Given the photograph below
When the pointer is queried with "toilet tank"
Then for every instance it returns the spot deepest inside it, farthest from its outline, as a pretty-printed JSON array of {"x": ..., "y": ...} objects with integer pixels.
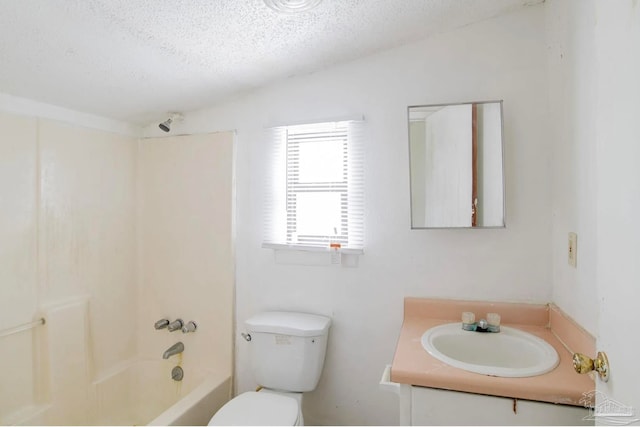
[{"x": 287, "y": 349}]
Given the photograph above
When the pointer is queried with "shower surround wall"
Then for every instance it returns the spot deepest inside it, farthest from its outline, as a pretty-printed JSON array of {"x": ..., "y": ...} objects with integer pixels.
[
  {"x": 67, "y": 238},
  {"x": 186, "y": 262},
  {"x": 18, "y": 243},
  {"x": 69, "y": 252}
]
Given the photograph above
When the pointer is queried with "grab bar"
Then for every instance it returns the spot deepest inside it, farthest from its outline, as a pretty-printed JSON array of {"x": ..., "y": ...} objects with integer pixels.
[{"x": 23, "y": 327}]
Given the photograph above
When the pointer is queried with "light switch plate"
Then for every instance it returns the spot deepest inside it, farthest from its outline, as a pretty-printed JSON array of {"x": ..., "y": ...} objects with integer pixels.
[{"x": 573, "y": 250}]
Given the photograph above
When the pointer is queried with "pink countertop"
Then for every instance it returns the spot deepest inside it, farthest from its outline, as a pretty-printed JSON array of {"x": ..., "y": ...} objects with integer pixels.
[{"x": 413, "y": 365}]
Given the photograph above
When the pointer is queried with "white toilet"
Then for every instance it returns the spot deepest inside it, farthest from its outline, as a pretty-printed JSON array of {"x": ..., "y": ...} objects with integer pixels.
[{"x": 287, "y": 355}]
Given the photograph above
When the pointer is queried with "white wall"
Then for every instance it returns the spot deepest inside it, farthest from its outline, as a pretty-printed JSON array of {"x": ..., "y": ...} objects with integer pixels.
[
  {"x": 503, "y": 58},
  {"x": 573, "y": 104},
  {"x": 186, "y": 266}
]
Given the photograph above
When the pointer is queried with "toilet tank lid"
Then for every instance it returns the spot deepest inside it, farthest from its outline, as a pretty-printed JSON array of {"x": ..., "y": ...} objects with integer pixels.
[{"x": 289, "y": 323}]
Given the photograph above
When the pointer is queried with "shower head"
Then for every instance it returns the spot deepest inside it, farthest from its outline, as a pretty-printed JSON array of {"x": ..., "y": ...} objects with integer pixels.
[{"x": 166, "y": 125}]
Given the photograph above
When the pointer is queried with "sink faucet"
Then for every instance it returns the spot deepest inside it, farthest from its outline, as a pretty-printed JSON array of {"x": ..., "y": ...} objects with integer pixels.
[
  {"x": 483, "y": 326},
  {"x": 492, "y": 324},
  {"x": 174, "y": 349}
]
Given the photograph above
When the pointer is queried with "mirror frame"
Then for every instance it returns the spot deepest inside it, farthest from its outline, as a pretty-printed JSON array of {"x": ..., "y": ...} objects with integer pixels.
[{"x": 502, "y": 159}]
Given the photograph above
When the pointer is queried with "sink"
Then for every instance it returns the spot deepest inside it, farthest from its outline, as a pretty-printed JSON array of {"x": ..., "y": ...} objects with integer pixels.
[{"x": 509, "y": 353}]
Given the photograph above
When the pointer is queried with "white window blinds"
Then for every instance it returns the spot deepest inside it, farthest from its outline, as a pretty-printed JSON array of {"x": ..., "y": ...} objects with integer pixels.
[{"x": 315, "y": 187}]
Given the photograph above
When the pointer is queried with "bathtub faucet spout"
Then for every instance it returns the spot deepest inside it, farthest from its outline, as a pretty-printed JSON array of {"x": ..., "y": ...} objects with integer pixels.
[{"x": 174, "y": 349}]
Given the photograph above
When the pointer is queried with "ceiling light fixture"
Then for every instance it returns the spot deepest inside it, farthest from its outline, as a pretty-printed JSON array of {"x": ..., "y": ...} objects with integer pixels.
[{"x": 290, "y": 7}]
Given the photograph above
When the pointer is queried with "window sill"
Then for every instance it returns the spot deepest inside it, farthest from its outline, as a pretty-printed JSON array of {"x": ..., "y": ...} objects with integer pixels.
[
  {"x": 313, "y": 255},
  {"x": 282, "y": 247}
]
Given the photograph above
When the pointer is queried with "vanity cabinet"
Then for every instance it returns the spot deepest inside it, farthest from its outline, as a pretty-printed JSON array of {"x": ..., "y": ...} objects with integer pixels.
[
  {"x": 435, "y": 392},
  {"x": 429, "y": 406}
]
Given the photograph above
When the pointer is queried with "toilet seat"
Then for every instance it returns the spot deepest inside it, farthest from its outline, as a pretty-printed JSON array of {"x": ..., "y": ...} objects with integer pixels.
[{"x": 258, "y": 409}]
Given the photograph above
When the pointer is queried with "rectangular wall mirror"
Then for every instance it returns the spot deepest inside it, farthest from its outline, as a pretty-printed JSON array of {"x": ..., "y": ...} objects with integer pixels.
[{"x": 456, "y": 165}]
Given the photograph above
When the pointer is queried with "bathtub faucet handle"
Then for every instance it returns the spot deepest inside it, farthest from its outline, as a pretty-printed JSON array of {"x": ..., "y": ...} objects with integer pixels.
[
  {"x": 189, "y": 327},
  {"x": 175, "y": 325},
  {"x": 161, "y": 324}
]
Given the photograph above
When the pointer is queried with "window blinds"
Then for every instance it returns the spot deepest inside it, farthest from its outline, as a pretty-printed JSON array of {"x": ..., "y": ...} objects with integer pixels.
[{"x": 314, "y": 189}]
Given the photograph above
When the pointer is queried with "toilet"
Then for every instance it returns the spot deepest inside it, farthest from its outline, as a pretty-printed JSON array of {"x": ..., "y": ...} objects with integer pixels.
[{"x": 287, "y": 352}]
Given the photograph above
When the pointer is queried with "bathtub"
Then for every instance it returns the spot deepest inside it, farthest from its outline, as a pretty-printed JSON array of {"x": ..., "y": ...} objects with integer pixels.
[
  {"x": 144, "y": 394},
  {"x": 139, "y": 393}
]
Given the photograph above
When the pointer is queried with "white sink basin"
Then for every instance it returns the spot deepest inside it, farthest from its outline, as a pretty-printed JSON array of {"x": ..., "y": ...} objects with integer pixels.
[{"x": 509, "y": 353}]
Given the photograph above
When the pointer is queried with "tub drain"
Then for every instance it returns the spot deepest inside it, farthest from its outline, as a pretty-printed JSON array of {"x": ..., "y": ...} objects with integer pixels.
[{"x": 177, "y": 373}]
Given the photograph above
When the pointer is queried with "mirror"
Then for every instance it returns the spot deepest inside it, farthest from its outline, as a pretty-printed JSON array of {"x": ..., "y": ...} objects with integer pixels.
[{"x": 457, "y": 177}]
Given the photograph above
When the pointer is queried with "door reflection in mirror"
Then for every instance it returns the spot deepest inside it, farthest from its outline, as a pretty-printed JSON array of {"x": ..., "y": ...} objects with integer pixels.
[{"x": 456, "y": 164}]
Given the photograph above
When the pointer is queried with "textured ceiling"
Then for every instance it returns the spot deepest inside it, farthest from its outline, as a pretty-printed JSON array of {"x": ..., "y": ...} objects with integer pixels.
[{"x": 134, "y": 60}]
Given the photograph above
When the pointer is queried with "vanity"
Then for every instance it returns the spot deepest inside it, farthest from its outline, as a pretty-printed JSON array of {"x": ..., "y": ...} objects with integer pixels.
[{"x": 433, "y": 392}]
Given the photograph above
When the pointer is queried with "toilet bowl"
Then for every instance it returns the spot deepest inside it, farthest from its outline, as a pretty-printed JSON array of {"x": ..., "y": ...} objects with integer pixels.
[
  {"x": 287, "y": 353},
  {"x": 259, "y": 409}
]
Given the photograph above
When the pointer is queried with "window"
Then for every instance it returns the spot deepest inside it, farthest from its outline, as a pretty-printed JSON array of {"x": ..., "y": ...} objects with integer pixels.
[{"x": 314, "y": 189}]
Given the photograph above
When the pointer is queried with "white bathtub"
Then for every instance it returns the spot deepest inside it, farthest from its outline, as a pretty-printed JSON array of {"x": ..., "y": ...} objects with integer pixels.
[
  {"x": 144, "y": 394},
  {"x": 138, "y": 393}
]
